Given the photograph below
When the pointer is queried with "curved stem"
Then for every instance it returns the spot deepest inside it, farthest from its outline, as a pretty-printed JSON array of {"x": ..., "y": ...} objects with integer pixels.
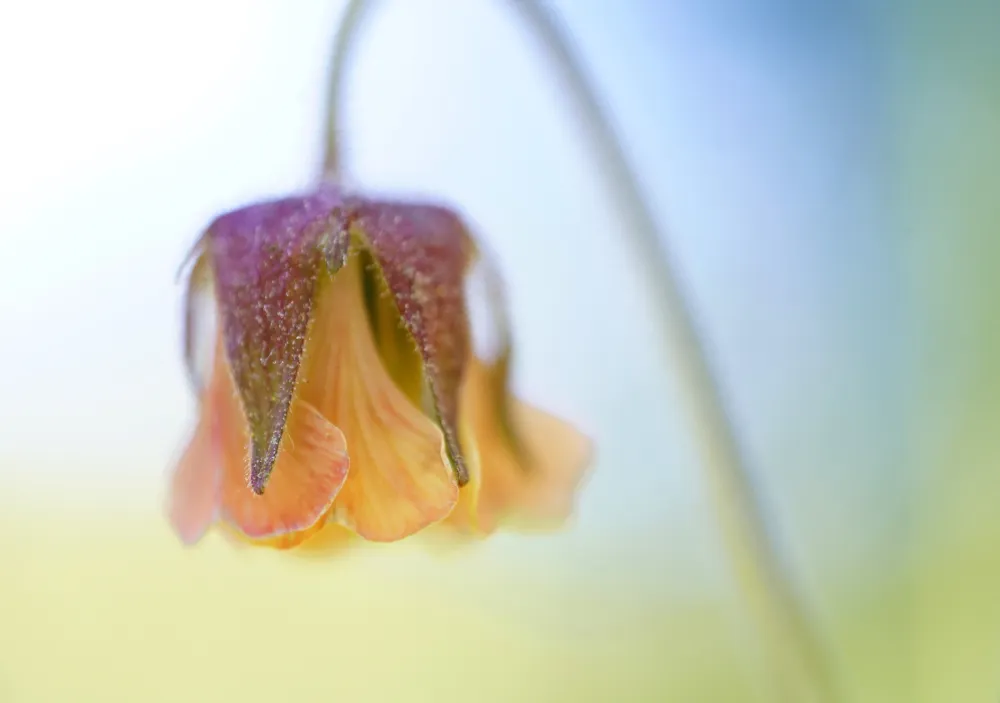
[
  {"x": 343, "y": 42},
  {"x": 780, "y": 618}
]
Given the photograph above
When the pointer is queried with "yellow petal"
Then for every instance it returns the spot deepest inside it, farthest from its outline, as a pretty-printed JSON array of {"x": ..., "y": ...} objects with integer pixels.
[
  {"x": 400, "y": 479},
  {"x": 535, "y": 480}
]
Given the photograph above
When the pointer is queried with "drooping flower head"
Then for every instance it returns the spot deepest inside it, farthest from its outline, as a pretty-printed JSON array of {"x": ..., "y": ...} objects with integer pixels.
[{"x": 343, "y": 389}]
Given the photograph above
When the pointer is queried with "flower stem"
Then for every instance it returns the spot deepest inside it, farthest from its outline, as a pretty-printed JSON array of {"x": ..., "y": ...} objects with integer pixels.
[
  {"x": 781, "y": 620},
  {"x": 343, "y": 42}
]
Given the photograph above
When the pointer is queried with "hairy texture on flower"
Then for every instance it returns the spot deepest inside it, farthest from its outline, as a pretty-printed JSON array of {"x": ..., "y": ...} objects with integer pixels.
[
  {"x": 423, "y": 253},
  {"x": 209, "y": 481},
  {"x": 343, "y": 396},
  {"x": 266, "y": 261}
]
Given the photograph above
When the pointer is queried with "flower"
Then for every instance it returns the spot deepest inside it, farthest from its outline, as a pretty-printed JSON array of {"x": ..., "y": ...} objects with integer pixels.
[{"x": 343, "y": 395}]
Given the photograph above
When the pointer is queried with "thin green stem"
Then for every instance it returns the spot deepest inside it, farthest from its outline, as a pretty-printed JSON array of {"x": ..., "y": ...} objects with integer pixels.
[
  {"x": 343, "y": 42},
  {"x": 781, "y": 620}
]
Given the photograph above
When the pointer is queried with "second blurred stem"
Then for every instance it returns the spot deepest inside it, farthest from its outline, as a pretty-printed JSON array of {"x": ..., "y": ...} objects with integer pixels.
[{"x": 796, "y": 653}]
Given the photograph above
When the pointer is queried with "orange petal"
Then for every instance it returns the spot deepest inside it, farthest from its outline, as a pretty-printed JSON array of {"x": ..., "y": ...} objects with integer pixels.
[
  {"x": 310, "y": 469},
  {"x": 557, "y": 456},
  {"x": 194, "y": 490},
  {"x": 423, "y": 253},
  {"x": 531, "y": 462},
  {"x": 197, "y": 478},
  {"x": 401, "y": 480}
]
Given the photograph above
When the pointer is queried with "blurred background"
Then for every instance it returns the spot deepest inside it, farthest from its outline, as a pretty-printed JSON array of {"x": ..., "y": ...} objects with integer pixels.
[{"x": 827, "y": 173}]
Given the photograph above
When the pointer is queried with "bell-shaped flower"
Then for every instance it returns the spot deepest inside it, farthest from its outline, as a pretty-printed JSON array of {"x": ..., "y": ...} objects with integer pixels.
[{"x": 342, "y": 389}]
